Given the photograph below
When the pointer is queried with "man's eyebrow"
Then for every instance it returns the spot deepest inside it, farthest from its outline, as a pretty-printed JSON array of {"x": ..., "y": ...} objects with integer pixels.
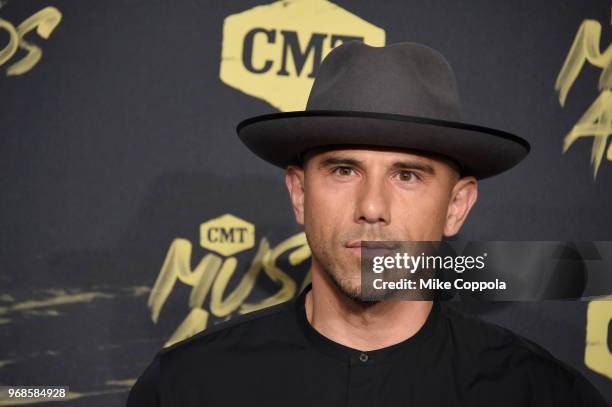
[
  {"x": 413, "y": 165},
  {"x": 328, "y": 162}
]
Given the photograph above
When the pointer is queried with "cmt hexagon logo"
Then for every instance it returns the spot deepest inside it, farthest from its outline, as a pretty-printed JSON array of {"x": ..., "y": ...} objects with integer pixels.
[
  {"x": 272, "y": 52},
  {"x": 227, "y": 235}
]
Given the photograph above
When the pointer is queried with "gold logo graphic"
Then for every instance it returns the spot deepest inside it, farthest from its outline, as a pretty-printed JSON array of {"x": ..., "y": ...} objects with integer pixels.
[
  {"x": 272, "y": 52},
  {"x": 597, "y": 354},
  {"x": 45, "y": 21},
  {"x": 226, "y": 235},
  {"x": 596, "y": 122}
]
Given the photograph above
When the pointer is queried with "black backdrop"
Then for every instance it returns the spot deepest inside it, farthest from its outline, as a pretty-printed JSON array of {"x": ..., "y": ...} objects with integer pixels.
[{"x": 121, "y": 140}]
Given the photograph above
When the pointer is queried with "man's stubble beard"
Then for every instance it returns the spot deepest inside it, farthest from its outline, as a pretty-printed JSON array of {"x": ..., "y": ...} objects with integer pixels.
[{"x": 343, "y": 285}]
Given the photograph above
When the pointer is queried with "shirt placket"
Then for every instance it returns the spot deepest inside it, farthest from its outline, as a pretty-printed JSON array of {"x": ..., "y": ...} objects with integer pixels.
[{"x": 361, "y": 381}]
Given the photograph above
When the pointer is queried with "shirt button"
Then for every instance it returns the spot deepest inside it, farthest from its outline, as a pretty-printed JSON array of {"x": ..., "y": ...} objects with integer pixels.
[{"x": 363, "y": 357}]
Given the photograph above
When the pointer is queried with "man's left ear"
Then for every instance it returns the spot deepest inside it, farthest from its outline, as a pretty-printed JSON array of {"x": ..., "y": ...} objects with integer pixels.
[
  {"x": 294, "y": 179},
  {"x": 463, "y": 197}
]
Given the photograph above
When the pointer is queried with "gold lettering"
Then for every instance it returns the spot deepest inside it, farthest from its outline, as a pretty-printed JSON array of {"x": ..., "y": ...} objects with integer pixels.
[
  {"x": 13, "y": 43},
  {"x": 596, "y": 121},
  {"x": 287, "y": 291},
  {"x": 597, "y": 355},
  {"x": 213, "y": 275},
  {"x": 45, "y": 21},
  {"x": 177, "y": 266},
  {"x": 222, "y": 308}
]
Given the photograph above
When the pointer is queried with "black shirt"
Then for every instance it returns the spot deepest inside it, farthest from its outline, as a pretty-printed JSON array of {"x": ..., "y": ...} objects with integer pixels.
[{"x": 274, "y": 357}]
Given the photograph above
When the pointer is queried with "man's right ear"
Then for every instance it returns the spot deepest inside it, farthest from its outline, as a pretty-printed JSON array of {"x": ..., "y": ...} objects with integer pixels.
[{"x": 294, "y": 178}]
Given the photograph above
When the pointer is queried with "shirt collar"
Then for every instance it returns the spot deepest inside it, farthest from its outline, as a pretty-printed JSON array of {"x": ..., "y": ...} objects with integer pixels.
[{"x": 414, "y": 344}]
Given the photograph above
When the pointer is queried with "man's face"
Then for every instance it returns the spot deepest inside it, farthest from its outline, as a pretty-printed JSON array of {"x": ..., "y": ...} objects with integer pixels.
[{"x": 343, "y": 196}]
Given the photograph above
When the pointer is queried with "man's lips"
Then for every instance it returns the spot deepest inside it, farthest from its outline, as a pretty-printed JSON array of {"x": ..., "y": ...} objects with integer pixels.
[
  {"x": 355, "y": 246},
  {"x": 354, "y": 243},
  {"x": 380, "y": 244}
]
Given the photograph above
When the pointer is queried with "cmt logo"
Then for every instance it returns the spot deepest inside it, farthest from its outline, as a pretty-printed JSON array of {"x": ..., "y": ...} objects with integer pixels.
[
  {"x": 227, "y": 235},
  {"x": 290, "y": 47},
  {"x": 273, "y": 52}
]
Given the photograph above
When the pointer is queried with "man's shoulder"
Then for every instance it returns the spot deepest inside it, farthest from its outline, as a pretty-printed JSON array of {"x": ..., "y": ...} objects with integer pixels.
[
  {"x": 504, "y": 359},
  {"x": 484, "y": 338},
  {"x": 208, "y": 349},
  {"x": 261, "y": 325}
]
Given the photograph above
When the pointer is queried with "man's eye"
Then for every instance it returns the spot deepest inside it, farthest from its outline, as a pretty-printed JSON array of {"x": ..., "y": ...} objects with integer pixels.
[
  {"x": 408, "y": 176},
  {"x": 343, "y": 170}
]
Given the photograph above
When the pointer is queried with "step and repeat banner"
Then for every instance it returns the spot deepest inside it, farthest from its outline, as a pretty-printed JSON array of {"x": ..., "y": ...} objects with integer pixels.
[{"x": 132, "y": 216}]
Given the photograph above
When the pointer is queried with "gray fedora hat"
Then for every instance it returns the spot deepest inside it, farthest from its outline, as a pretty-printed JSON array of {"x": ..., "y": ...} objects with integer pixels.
[{"x": 402, "y": 95}]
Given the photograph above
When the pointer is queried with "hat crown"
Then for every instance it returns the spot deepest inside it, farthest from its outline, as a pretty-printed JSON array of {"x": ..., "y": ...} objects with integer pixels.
[{"x": 404, "y": 78}]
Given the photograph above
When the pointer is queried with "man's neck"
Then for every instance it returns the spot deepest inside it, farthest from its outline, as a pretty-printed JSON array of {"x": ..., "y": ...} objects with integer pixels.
[{"x": 361, "y": 326}]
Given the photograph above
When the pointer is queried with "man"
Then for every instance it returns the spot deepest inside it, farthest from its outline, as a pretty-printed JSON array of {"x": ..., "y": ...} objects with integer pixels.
[{"x": 378, "y": 154}]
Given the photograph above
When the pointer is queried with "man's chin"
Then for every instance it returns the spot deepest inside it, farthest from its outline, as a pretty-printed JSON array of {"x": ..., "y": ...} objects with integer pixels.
[{"x": 352, "y": 290}]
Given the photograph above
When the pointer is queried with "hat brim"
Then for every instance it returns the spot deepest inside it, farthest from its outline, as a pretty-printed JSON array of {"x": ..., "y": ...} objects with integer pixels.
[{"x": 279, "y": 138}]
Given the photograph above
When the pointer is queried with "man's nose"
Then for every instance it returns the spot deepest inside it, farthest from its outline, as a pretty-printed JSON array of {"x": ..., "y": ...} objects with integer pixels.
[{"x": 373, "y": 204}]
